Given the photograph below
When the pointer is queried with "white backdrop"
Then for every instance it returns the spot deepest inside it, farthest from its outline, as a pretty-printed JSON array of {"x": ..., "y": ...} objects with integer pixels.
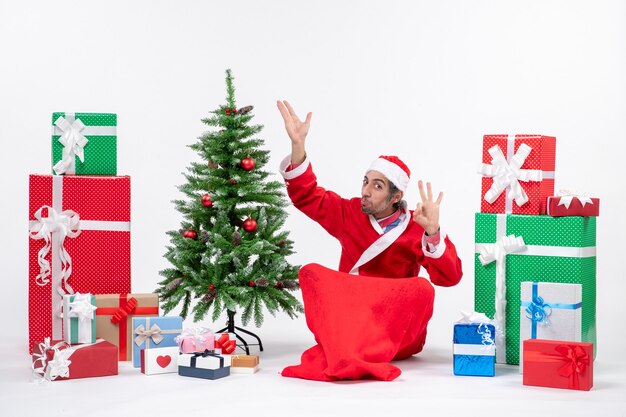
[{"x": 423, "y": 80}]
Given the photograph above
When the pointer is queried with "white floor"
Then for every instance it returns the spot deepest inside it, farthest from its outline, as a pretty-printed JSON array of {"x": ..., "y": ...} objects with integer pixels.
[{"x": 426, "y": 387}]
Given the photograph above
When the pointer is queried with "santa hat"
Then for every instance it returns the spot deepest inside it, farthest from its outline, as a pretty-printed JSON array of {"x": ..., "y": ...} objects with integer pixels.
[{"x": 394, "y": 169}]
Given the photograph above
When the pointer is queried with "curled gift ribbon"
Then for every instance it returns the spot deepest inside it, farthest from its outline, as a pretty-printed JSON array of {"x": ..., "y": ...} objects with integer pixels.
[
  {"x": 40, "y": 371},
  {"x": 567, "y": 196},
  {"x": 154, "y": 333},
  {"x": 73, "y": 143},
  {"x": 59, "y": 365},
  {"x": 538, "y": 310},
  {"x": 195, "y": 339},
  {"x": 66, "y": 224},
  {"x": 509, "y": 174},
  {"x": 483, "y": 321},
  {"x": 497, "y": 252}
]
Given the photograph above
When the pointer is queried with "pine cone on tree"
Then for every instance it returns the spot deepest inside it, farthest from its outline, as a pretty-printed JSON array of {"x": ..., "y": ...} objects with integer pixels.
[
  {"x": 246, "y": 109},
  {"x": 181, "y": 232},
  {"x": 204, "y": 236},
  {"x": 236, "y": 238},
  {"x": 261, "y": 282},
  {"x": 173, "y": 284},
  {"x": 210, "y": 296},
  {"x": 290, "y": 285}
]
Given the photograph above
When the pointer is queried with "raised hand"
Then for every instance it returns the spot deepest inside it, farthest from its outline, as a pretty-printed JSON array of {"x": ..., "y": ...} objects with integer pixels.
[
  {"x": 296, "y": 129},
  {"x": 426, "y": 213}
]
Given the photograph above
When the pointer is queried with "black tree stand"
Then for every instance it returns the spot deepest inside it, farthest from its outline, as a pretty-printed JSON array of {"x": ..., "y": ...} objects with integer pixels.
[{"x": 230, "y": 328}]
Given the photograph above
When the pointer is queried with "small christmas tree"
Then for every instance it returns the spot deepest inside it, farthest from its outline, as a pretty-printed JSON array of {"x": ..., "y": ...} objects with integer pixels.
[{"x": 230, "y": 252}]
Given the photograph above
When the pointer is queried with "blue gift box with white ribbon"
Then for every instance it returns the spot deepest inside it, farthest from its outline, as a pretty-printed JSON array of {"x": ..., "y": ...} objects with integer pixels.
[
  {"x": 153, "y": 332},
  {"x": 550, "y": 311},
  {"x": 474, "y": 349}
]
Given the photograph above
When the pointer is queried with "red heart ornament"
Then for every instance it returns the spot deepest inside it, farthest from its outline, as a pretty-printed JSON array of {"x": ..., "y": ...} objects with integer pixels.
[{"x": 163, "y": 361}]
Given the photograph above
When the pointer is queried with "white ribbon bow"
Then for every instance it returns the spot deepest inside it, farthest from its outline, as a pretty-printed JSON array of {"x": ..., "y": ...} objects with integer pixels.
[
  {"x": 57, "y": 367},
  {"x": 82, "y": 308},
  {"x": 66, "y": 224},
  {"x": 567, "y": 196},
  {"x": 73, "y": 142},
  {"x": 154, "y": 333},
  {"x": 497, "y": 252},
  {"x": 508, "y": 174}
]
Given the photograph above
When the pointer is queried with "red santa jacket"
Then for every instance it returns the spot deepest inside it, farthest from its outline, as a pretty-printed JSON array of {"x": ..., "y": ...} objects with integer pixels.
[{"x": 366, "y": 250}]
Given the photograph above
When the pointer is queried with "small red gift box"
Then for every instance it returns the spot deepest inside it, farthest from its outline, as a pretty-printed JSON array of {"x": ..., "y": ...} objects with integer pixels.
[
  {"x": 518, "y": 173},
  {"x": 572, "y": 205},
  {"x": 225, "y": 343},
  {"x": 56, "y": 360},
  {"x": 80, "y": 242},
  {"x": 558, "y": 364}
]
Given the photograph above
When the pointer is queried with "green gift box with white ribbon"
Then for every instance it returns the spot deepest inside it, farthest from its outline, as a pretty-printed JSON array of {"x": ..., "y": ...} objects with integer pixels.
[
  {"x": 79, "y": 318},
  {"x": 514, "y": 248},
  {"x": 84, "y": 143}
]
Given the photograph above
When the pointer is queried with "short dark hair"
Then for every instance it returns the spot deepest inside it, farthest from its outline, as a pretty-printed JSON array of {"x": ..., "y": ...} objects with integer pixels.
[{"x": 393, "y": 190}]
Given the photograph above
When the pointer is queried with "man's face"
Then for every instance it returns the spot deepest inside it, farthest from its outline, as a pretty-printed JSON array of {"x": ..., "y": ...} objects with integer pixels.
[{"x": 376, "y": 198}]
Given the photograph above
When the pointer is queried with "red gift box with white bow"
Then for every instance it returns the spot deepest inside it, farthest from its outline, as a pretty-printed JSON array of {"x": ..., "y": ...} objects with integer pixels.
[
  {"x": 572, "y": 204},
  {"x": 57, "y": 360},
  {"x": 79, "y": 242},
  {"x": 518, "y": 173},
  {"x": 558, "y": 364}
]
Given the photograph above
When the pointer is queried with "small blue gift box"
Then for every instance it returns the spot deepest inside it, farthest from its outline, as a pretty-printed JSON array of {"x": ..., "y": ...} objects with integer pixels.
[
  {"x": 205, "y": 365},
  {"x": 151, "y": 332},
  {"x": 474, "y": 349}
]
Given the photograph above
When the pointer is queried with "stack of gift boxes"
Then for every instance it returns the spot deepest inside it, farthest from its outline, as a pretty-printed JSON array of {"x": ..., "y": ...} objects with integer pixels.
[
  {"x": 83, "y": 318},
  {"x": 535, "y": 264}
]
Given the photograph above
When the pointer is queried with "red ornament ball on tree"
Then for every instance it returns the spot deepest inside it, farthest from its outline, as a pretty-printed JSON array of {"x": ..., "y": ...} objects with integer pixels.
[
  {"x": 190, "y": 234},
  {"x": 249, "y": 225},
  {"x": 232, "y": 181},
  {"x": 279, "y": 284},
  {"x": 248, "y": 163},
  {"x": 211, "y": 287},
  {"x": 206, "y": 201},
  {"x": 251, "y": 283}
]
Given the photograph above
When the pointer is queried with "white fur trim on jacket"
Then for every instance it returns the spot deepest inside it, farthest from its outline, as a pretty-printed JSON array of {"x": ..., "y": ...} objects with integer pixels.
[
  {"x": 296, "y": 172},
  {"x": 439, "y": 250}
]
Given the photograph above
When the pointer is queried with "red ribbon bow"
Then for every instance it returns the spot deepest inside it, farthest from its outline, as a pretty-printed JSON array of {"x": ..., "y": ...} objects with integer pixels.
[
  {"x": 228, "y": 346},
  {"x": 576, "y": 361},
  {"x": 123, "y": 312}
]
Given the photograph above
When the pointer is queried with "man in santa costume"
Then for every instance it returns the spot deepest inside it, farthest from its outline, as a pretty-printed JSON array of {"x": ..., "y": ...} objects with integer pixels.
[{"x": 379, "y": 237}]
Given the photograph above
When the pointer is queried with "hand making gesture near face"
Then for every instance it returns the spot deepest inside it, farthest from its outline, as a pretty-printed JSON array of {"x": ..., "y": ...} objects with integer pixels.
[
  {"x": 296, "y": 129},
  {"x": 426, "y": 213}
]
